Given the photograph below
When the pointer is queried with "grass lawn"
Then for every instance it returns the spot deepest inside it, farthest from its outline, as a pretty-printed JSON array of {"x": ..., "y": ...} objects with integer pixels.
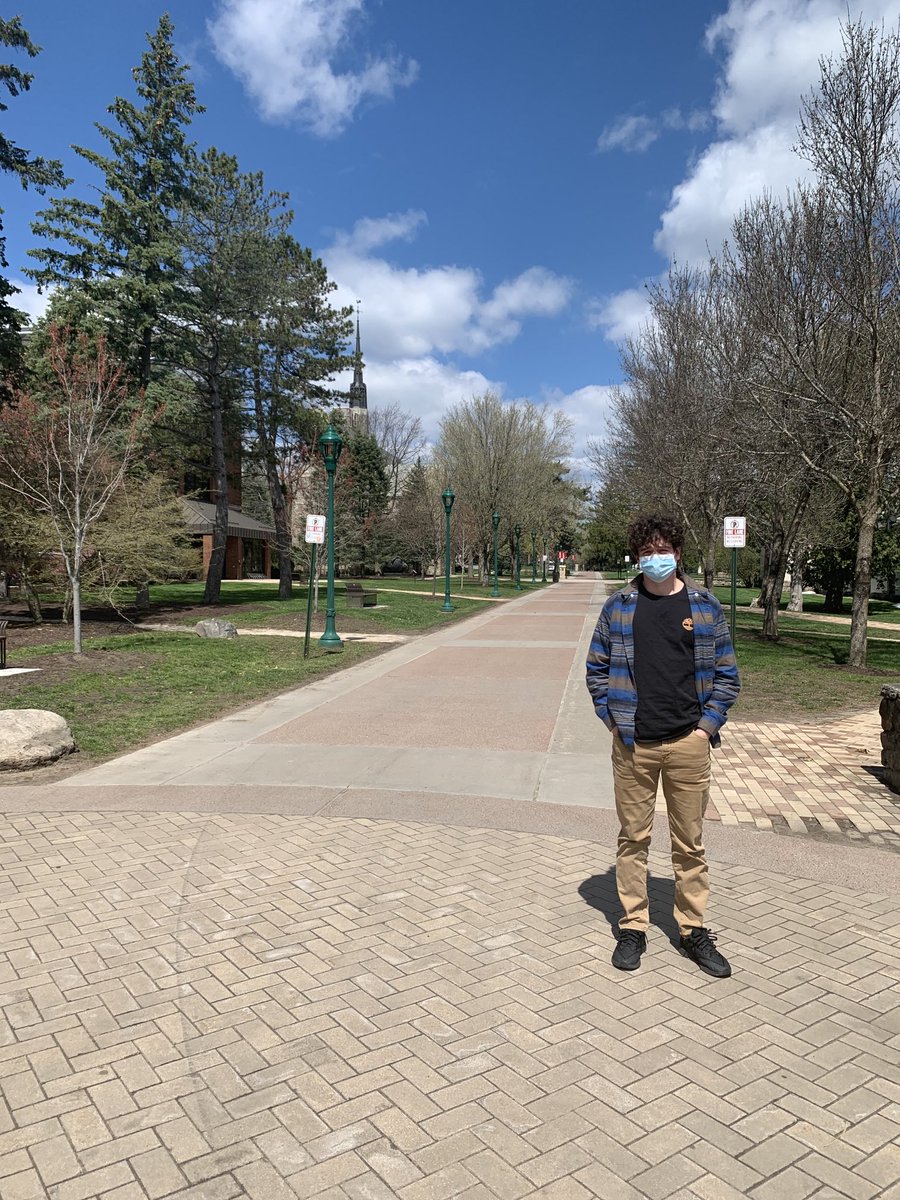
[
  {"x": 879, "y": 610},
  {"x": 803, "y": 673},
  {"x": 135, "y": 688},
  {"x": 404, "y": 605}
]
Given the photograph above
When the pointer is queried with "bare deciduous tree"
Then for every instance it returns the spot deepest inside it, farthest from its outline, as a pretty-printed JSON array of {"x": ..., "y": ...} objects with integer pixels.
[
  {"x": 67, "y": 453},
  {"x": 400, "y": 436},
  {"x": 508, "y": 458}
]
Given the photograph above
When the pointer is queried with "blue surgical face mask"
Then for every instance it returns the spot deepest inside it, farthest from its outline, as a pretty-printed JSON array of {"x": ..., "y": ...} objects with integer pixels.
[{"x": 658, "y": 567}]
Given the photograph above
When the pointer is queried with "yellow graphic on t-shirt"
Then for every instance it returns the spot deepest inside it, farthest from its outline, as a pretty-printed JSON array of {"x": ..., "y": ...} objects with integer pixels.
[{"x": 688, "y": 624}]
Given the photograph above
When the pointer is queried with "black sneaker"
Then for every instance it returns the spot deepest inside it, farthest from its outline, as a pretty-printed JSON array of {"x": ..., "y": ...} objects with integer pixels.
[
  {"x": 627, "y": 954},
  {"x": 700, "y": 946}
]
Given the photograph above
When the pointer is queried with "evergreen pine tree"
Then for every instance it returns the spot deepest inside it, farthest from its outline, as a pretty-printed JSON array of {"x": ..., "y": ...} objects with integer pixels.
[
  {"x": 365, "y": 487},
  {"x": 224, "y": 229},
  {"x": 122, "y": 253},
  {"x": 298, "y": 343},
  {"x": 39, "y": 173}
]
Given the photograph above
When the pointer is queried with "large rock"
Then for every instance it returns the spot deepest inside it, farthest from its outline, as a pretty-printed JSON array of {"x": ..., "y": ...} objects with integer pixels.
[
  {"x": 214, "y": 627},
  {"x": 31, "y": 737}
]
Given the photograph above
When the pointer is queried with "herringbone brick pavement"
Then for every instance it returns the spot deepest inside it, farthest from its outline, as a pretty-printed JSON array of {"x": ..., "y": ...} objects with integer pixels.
[
  {"x": 268, "y": 1007},
  {"x": 820, "y": 776}
]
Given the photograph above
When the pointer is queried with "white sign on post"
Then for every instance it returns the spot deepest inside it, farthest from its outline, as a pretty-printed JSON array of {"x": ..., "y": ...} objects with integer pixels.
[
  {"x": 736, "y": 532},
  {"x": 315, "y": 529}
]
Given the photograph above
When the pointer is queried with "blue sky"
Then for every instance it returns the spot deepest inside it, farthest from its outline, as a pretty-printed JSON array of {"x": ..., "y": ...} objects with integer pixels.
[{"x": 494, "y": 180}]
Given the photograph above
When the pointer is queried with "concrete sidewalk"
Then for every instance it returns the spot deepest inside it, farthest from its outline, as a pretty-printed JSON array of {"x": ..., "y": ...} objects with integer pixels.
[{"x": 393, "y": 978}]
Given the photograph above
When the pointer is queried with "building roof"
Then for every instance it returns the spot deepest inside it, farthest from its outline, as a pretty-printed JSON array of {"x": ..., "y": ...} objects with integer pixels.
[{"x": 201, "y": 518}]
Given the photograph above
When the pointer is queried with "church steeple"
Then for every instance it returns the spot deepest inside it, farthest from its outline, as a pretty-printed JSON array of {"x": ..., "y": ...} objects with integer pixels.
[{"x": 359, "y": 403}]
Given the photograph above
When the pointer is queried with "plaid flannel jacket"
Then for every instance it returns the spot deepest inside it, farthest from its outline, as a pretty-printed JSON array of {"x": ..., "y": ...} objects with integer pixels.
[{"x": 610, "y": 662}]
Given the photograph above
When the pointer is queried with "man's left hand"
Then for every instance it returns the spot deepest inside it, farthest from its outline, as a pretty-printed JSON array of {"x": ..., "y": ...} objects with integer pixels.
[{"x": 701, "y": 733}]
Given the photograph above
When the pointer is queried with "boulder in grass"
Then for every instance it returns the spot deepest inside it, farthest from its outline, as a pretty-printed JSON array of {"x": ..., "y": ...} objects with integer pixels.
[
  {"x": 215, "y": 627},
  {"x": 32, "y": 737}
]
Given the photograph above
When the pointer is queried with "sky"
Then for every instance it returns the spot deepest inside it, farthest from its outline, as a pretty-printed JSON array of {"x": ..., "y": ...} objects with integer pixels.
[{"x": 495, "y": 181}]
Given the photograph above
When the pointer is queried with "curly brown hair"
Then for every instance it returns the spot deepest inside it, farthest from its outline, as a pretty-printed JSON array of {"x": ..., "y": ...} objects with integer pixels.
[{"x": 648, "y": 527}]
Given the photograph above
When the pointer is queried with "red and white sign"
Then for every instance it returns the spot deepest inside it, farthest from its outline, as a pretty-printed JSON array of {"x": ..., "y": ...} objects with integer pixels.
[
  {"x": 735, "y": 532},
  {"x": 315, "y": 529}
]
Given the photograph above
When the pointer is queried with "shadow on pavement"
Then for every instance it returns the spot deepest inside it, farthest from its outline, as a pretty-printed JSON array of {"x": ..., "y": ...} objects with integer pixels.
[{"x": 599, "y": 891}]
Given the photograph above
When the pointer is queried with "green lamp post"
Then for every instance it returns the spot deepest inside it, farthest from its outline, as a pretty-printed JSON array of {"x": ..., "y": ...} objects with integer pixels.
[
  {"x": 330, "y": 444},
  {"x": 544, "y": 564},
  {"x": 533, "y": 557},
  {"x": 495, "y": 521},
  {"x": 518, "y": 532},
  {"x": 448, "y": 496}
]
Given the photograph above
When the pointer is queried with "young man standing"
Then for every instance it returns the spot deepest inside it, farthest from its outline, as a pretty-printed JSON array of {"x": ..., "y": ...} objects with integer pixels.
[{"x": 662, "y": 674}]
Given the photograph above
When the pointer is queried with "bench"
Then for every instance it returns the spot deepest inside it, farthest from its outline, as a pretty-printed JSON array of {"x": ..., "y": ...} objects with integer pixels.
[
  {"x": 3, "y": 625},
  {"x": 360, "y": 597}
]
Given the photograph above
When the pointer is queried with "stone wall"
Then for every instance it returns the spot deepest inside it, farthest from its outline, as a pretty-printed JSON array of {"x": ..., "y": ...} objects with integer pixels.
[{"x": 890, "y": 734}]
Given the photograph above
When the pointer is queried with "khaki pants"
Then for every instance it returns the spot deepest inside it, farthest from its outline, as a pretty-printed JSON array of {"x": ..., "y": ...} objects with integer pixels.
[{"x": 683, "y": 765}]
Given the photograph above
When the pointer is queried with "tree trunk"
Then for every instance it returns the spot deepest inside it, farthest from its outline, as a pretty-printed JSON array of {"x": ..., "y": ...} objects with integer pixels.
[
  {"x": 282, "y": 530},
  {"x": 216, "y": 569},
  {"x": 76, "y": 613},
  {"x": 859, "y": 611},
  {"x": 32, "y": 599},
  {"x": 795, "y": 604},
  {"x": 834, "y": 596},
  {"x": 145, "y": 357},
  {"x": 276, "y": 494},
  {"x": 4, "y": 586},
  {"x": 709, "y": 558},
  {"x": 142, "y": 599},
  {"x": 773, "y": 583}
]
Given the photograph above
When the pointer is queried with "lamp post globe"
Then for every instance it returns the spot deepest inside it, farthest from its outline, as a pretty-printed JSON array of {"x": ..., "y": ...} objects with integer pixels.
[
  {"x": 330, "y": 445},
  {"x": 518, "y": 532},
  {"x": 495, "y": 522},
  {"x": 448, "y": 496}
]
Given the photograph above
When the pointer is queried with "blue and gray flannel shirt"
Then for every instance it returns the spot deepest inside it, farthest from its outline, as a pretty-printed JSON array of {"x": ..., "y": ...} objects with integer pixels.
[{"x": 610, "y": 662}]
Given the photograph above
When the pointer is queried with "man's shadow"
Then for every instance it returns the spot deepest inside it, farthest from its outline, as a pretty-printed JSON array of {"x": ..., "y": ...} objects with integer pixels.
[{"x": 600, "y": 892}]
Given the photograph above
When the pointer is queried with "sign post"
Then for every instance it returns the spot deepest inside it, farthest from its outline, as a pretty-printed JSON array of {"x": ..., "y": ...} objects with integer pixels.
[
  {"x": 735, "y": 537},
  {"x": 315, "y": 535}
]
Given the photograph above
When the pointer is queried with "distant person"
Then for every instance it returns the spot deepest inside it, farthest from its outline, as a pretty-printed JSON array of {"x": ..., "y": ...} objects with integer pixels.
[{"x": 662, "y": 674}]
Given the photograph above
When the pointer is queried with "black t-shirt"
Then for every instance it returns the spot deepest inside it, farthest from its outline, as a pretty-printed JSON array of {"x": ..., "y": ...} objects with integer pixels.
[{"x": 667, "y": 704}]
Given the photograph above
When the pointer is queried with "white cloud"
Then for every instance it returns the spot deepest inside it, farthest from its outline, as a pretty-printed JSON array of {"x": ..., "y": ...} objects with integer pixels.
[
  {"x": 29, "y": 300},
  {"x": 622, "y": 315},
  {"x": 637, "y": 133},
  {"x": 726, "y": 176},
  {"x": 771, "y": 51},
  {"x": 415, "y": 319},
  {"x": 371, "y": 232},
  {"x": 425, "y": 387},
  {"x": 287, "y": 54},
  {"x": 634, "y": 133},
  {"x": 413, "y": 312},
  {"x": 589, "y": 408}
]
